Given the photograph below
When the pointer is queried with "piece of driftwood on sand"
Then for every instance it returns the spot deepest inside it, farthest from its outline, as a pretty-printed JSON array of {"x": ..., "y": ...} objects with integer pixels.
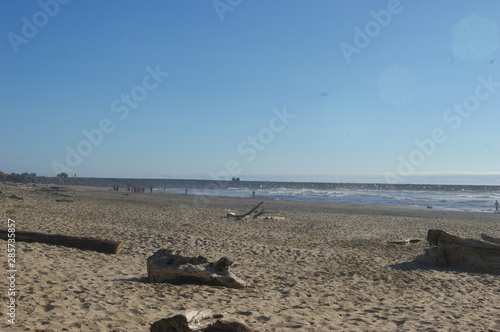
[
  {"x": 106, "y": 246},
  {"x": 165, "y": 266},
  {"x": 198, "y": 320},
  {"x": 244, "y": 215},
  {"x": 65, "y": 200},
  {"x": 404, "y": 241},
  {"x": 452, "y": 251}
]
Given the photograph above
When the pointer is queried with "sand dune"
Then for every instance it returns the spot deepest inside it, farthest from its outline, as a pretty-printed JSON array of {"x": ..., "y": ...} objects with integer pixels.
[{"x": 322, "y": 267}]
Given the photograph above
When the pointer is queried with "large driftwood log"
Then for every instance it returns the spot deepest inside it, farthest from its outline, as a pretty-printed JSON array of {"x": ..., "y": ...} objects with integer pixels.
[
  {"x": 164, "y": 266},
  {"x": 453, "y": 251},
  {"x": 107, "y": 246},
  {"x": 197, "y": 320}
]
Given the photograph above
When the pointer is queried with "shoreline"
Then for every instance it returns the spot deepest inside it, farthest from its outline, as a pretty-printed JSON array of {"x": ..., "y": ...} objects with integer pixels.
[
  {"x": 217, "y": 183},
  {"x": 473, "y": 201},
  {"x": 319, "y": 267},
  {"x": 332, "y": 203},
  {"x": 440, "y": 199}
]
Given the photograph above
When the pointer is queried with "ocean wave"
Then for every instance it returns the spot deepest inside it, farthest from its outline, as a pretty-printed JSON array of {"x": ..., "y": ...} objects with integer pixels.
[{"x": 446, "y": 200}]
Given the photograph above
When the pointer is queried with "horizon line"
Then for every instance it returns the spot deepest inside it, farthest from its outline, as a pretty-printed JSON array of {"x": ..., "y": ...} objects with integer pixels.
[{"x": 291, "y": 181}]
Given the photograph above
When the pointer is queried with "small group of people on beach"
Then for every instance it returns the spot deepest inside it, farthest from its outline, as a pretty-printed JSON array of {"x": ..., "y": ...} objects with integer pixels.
[{"x": 136, "y": 189}]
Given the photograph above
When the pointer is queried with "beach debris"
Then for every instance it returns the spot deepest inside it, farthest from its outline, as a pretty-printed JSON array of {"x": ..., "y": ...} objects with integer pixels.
[
  {"x": 405, "y": 241},
  {"x": 452, "y": 251},
  {"x": 66, "y": 200},
  {"x": 165, "y": 266},
  {"x": 16, "y": 197},
  {"x": 106, "y": 246},
  {"x": 57, "y": 188},
  {"x": 242, "y": 216},
  {"x": 53, "y": 189},
  {"x": 198, "y": 320},
  {"x": 275, "y": 218}
]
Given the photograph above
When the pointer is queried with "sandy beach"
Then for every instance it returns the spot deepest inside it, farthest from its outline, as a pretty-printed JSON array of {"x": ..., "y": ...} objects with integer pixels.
[{"x": 317, "y": 267}]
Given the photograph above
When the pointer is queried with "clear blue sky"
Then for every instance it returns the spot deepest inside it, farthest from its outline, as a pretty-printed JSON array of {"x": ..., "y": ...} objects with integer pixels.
[{"x": 376, "y": 91}]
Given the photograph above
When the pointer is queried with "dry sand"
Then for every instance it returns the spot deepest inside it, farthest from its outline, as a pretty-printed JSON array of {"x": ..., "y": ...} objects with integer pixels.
[{"x": 323, "y": 267}]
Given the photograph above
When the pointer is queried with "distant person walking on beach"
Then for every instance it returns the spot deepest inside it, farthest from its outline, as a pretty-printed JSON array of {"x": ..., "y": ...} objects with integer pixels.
[
  {"x": 496, "y": 207},
  {"x": 253, "y": 194}
]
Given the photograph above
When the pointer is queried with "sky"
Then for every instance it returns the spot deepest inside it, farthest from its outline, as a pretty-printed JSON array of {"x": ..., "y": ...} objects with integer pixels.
[{"x": 330, "y": 91}]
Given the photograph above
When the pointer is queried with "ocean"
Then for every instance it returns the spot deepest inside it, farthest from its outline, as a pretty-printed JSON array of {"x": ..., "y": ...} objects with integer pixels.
[{"x": 462, "y": 200}]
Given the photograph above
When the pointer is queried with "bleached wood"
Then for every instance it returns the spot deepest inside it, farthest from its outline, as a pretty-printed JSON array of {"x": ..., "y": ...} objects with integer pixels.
[
  {"x": 452, "y": 251},
  {"x": 164, "y": 266},
  {"x": 405, "y": 241}
]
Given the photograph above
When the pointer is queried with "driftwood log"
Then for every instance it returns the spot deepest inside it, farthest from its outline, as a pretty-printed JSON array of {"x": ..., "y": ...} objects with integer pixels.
[
  {"x": 244, "y": 215},
  {"x": 405, "y": 241},
  {"x": 164, "y": 266},
  {"x": 66, "y": 200},
  {"x": 197, "y": 320},
  {"x": 452, "y": 251},
  {"x": 106, "y": 246}
]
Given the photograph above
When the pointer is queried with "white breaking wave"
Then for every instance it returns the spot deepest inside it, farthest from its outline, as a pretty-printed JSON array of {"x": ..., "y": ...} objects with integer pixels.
[{"x": 476, "y": 201}]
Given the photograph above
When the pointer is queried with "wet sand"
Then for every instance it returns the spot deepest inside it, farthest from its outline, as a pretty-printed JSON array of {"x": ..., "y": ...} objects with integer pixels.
[{"x": 318, "y": 267}]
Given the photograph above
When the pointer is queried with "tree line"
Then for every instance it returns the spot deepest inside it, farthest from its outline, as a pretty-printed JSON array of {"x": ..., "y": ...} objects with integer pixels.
[{"x": 25, "y": 177}]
